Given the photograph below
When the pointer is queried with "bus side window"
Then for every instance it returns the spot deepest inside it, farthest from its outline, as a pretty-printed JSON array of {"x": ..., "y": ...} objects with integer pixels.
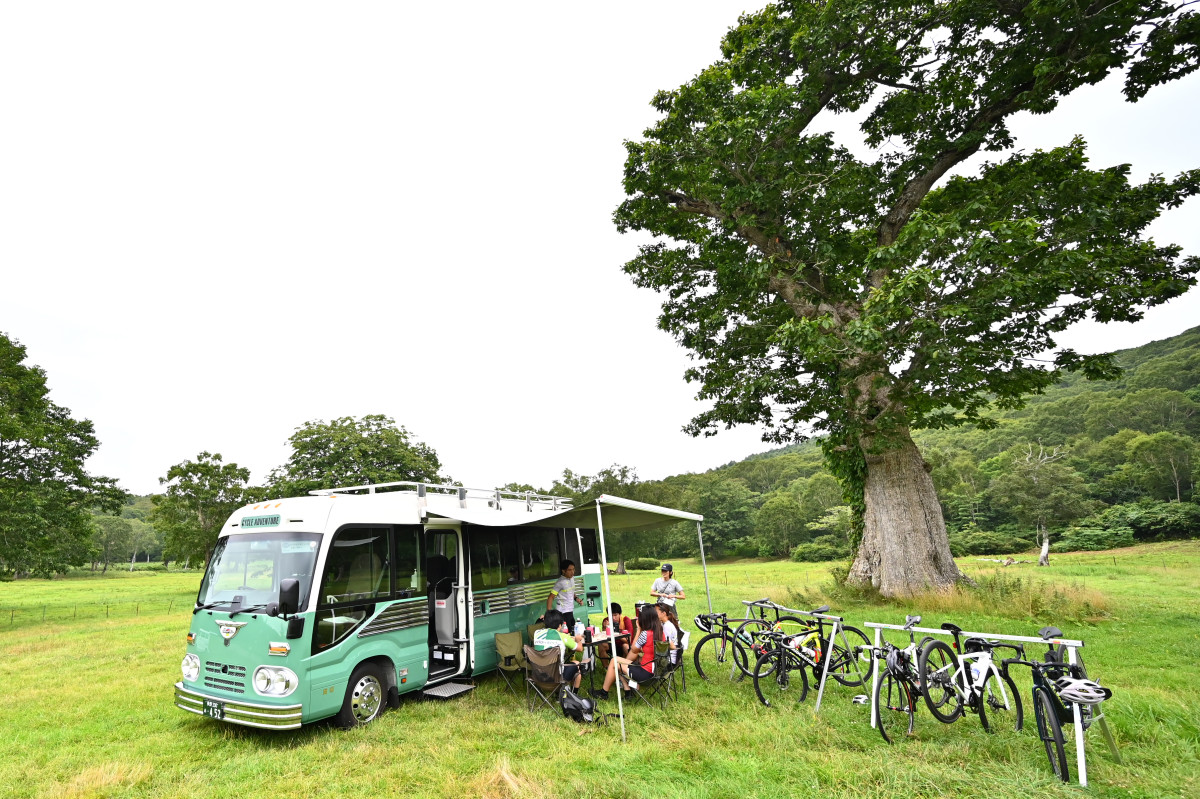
[{"x": 409, "y": 574}]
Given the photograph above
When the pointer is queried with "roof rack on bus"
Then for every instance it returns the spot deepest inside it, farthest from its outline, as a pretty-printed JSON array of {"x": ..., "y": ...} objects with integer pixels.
[{"x": 497, "y": 498}]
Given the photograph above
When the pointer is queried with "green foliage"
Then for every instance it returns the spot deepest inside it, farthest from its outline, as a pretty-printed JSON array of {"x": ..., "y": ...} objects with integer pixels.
[
  {"x": 822, "y": 548},
  {"x": 1151, "y": 521},
  {"x": 200, "y": 496},
  {"x": 642, "y": 564},
  {"x": 971, "y": 540},
  {"x": 113, "y": 539},
  {"x": 349, "y": 452},
  {"x": 1084, "y": 539},
  {"x": 45, "y": 491}
]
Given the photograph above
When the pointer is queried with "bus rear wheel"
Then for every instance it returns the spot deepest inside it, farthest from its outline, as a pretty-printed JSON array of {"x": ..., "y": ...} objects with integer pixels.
[{"x": 366, "y": 697}]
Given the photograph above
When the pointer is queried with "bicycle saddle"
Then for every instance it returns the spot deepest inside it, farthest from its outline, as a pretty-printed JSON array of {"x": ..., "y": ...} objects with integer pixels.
[
  {"x": 954, "y": 628},
  {"x": 821, "y": 609},
  {"x": 911, "y": 620},
  {"x": 1050, "y": 632}
]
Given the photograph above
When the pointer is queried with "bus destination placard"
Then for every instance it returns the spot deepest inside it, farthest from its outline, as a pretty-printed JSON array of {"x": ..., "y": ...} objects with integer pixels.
[{"x": 256, "y": 522}]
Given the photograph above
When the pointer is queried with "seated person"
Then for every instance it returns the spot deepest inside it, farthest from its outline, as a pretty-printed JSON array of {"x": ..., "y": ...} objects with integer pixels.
[
  {"x": 639, "y": 666},
  {"x": 556, "y": 635},
  {"x": 621, "y": 624},
  {"x": 670, "y": 625}
]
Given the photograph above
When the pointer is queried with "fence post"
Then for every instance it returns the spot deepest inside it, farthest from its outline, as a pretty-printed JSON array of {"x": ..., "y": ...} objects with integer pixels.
[{"x": 170, "y": 607}]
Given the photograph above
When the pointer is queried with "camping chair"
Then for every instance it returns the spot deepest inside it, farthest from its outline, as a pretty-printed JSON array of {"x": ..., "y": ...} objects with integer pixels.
[
  {"x": 677, "y": 674},
  {"x": 510, "y": 657},
  {"x": 533, "y": 628},
  {"x": 658, "y": 686},
  {"x": 543, "y": 677}
]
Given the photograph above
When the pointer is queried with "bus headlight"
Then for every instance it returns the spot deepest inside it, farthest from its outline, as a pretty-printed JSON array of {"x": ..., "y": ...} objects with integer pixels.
[
  {"x": 190, "y": 667},
  {"x": 274, "y": 681}
]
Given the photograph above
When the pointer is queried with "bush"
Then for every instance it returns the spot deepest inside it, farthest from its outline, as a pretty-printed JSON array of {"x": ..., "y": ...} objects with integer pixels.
[
  {"x": 1081, "y": 539},
  {"x": 826, "y": 547},
  {"x": 642, "y": 565},
  {"x": 1150, "y": 520},
  {"x": 971, "y": 540}
]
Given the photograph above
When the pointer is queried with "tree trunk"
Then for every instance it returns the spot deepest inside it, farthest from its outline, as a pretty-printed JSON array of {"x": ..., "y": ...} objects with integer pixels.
[
  {"x": 1044, "y": 556},
  {"x": 621, "y": 567},
  {"x": 904, "y": 548}
]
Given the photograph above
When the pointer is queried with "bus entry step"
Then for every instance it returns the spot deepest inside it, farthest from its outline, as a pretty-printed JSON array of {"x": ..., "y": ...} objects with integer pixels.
[{"x": 447, "y": 690}]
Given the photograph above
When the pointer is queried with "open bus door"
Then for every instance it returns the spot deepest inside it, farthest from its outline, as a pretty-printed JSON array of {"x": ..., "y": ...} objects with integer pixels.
[{"x": 448, "y": 633}]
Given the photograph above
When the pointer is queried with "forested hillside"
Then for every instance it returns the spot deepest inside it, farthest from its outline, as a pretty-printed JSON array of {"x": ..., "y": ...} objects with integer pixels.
[{"x": 1090, "y": 464}]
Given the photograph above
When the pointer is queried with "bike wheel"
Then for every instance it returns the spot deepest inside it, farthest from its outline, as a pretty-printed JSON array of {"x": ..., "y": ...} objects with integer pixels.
[
  {"x": 746, "y": 636},
  {"x": 894, "y": 712},
  {"x": 1001, "y": 701},
  {"x": 843, "y": 661},
  {"x": 1050, "y": 731},
  {"x": 778, "y": 676},
  {"x": 938, "y": 668},
  {"x": 717, "y": 655}
]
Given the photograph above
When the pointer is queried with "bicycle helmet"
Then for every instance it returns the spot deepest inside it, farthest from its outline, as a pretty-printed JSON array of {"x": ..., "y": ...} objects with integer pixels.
[
  {"x": 897, "y": 661},
  {"x": 702, "y": 623},
  {"x": 1085, "y": 692}
]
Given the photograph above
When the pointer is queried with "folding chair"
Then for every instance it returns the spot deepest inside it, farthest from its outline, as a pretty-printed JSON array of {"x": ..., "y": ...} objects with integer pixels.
[
  {"x": 677, "y": 675},
  {"x": 511, "y": 657},
  {"x": 543, "y": 677},
  {"x": 658, "y": 686},
  {"x": 531, "y": 629}
]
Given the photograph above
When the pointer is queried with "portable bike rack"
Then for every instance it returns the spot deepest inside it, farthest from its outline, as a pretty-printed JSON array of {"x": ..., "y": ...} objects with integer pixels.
[
  {"x": 836, "y": 623},
  {"x": 1071, "y": 646}
]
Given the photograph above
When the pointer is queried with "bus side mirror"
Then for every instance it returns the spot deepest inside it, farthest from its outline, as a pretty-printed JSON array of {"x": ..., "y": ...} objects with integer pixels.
[{"x": 289, "y": 596}]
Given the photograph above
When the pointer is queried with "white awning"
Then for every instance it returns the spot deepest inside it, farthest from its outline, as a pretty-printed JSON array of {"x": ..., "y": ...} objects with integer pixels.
[{"x": 619, "y": 514}]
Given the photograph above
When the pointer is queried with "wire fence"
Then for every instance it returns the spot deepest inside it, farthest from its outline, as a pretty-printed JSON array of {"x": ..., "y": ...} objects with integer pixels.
[{"x": 12, "y": 615}]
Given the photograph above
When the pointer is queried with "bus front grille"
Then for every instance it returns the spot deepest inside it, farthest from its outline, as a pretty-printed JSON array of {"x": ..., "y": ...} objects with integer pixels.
[{"x": 247, "y": 714}]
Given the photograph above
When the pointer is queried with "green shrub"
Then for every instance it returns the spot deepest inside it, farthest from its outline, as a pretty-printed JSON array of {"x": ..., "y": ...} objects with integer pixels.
[
  {"x": 642, "y": 565},
  {"x": 1081, "y": 539},
  {"x": 826, "y": 547},
  {"x": 970, "y": 540},
  {"x": 1150, "y": 520}
]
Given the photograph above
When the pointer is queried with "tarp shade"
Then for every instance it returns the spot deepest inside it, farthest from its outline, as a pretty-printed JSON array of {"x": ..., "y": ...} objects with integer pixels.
[{"x": 619, "y": 514}]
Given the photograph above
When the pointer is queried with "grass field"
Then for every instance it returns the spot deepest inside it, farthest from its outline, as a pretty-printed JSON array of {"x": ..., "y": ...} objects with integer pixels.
[{"x": 88, "y": 711}]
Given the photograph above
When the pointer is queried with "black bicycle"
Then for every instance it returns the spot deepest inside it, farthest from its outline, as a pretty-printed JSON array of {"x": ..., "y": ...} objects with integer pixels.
[
  {"x": 899, "y": 686},
  {"x": 1057, "y": 686},
  {"x": 735, "y": 649}
]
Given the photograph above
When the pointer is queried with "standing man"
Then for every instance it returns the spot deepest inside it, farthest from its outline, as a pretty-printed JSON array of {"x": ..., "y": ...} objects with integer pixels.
[
  {"x": 666, "y": 589},
  {"x": 562, "y": 596}
]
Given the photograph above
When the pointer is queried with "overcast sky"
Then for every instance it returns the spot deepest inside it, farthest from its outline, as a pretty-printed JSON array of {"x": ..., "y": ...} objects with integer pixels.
[{"x": 220, "y": 220}]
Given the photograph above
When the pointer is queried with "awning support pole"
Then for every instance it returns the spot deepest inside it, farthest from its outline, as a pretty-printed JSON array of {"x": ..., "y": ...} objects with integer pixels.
[
  {"x": 704, "y": 565},
  {"x": 608, "y": 604}
]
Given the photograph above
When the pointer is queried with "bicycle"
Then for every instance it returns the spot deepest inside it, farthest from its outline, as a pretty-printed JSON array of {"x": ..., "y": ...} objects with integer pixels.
[
  {"x": 899, "y": 685},
  {"x": 1053, "y": 682},
  {"x": 720, "y": 647},
  {"x": 843, "y": 653},
  {"x": 967, "y": 678},
  {"x": 736, "y": 646}
]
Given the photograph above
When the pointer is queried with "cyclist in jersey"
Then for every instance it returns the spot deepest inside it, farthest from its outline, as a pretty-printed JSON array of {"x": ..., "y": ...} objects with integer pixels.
[
  {"x": 562, "y": 596},
  {"x": 639, "y": 666}
]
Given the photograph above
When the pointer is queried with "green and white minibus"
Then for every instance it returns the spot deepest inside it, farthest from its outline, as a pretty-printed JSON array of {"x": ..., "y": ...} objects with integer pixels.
[{"x": 335, "y": 604}]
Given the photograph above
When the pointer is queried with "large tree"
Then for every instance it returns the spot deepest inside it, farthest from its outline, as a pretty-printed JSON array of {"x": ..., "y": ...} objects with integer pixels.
[
  {"x": 45, "y": 491},
  {"x": 865, "y": 297},
  {"x": 349, "y": 451},
  {"x": 199, "y": 497}
]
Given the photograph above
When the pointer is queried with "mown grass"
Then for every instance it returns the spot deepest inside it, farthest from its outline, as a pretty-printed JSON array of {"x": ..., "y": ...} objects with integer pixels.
[{"x": 88, "y": 713}]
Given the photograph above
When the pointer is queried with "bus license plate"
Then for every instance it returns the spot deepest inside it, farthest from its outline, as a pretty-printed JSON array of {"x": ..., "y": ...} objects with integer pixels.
[{"x": 214, "y": 709}]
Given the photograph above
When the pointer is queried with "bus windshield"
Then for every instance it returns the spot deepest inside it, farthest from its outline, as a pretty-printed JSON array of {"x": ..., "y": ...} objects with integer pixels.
[{"x": 246, "y": 570}]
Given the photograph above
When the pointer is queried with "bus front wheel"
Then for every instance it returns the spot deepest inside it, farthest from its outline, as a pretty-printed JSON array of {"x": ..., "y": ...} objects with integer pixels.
[{"x": 365, "y": 699}]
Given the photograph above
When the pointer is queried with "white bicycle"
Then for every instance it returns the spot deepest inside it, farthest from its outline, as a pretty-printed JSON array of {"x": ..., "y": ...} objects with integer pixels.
[{"x": 967, "y": 677}]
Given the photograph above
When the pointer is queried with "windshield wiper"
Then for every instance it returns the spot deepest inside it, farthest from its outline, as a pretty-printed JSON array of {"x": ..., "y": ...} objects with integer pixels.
[
  {"x": 238, "y": 610},
  {"x": 214, "y": 604}
]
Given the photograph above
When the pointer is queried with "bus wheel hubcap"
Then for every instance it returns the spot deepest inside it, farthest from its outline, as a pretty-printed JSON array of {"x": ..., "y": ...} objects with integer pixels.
[{"x": 367, "y": 696}]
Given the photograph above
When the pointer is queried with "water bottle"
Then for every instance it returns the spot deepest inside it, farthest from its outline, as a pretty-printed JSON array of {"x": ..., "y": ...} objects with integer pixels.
[
  {"x": 974, "y": 673},
  {"x": 579, "y": 628}
]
